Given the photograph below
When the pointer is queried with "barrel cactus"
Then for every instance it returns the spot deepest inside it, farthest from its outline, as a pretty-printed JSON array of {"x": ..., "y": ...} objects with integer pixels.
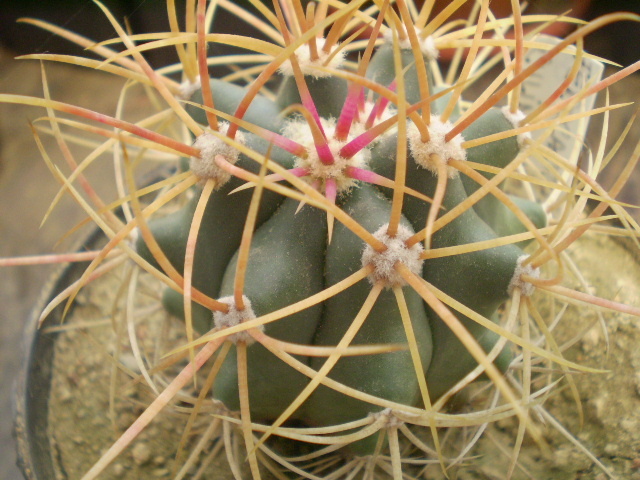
[
  {"x": 297, "y": 254},
  {"x": 345, "y": 237}
]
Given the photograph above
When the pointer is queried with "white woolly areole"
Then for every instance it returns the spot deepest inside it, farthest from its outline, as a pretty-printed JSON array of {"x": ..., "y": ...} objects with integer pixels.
[
  {"x": 526, "y": 288},
  {"x": 210, "y": 145},
  {"x": 310, "y": 67},
  {"x": 436, "y": 151},
  {"x": 514, "y": 118},
  {"x": 299, "y": 132},
  {"x": 427, "y": 44},
  {"x": 391, "y": 421},
  {"x": 188, "y": 88},
  {"x": 235, "y": 317},
  {"x": 396, "y": 252}
]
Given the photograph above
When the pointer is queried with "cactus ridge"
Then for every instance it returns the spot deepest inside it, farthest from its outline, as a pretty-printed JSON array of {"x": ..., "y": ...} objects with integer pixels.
[{"x": 298, "y": 253}]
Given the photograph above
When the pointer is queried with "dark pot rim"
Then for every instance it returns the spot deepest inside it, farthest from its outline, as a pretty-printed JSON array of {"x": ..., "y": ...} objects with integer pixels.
[{"x": 35, "y": 456}]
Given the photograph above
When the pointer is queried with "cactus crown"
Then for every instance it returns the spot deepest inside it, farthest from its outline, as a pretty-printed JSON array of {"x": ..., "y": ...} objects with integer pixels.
[{"x": 349, "y": 232}]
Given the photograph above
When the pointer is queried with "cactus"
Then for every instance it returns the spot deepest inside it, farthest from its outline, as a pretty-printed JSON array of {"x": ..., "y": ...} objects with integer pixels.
[
  {"x": 292, "y": 256},
  {"x": 348, "y": 236}
]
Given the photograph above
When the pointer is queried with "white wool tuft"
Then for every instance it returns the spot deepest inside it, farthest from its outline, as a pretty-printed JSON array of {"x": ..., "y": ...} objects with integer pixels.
[
  {"x": 427, "y": 44},
  {"x": 211, "y": 145},
  {"x": 526, "y": 288},
  {"x": 188, "y": 88},
  {"x": 391, "y": 421},
  {"x": 235, "y": 317},
  {"x": 515, "y": 118},
  {"x": 308, "y": 66},
  {"x": 396, "y": 252},
  {"x": 436, "y": 151}
]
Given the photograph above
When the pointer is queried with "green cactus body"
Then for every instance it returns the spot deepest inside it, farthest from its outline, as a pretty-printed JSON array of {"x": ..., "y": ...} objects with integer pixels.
[
  {"x": 457, "y": 275},
  {"x": 329, "y": 94},
  {"x": 381, "y": 71},
  {"x": 285, "y": 266},
  {"x": 227, "y": 96},
  {"x": 498, "y": 154},
  {"x": 220, "y": 234},
  {"x": 390, "y": 375},
  {"x": 290, "y": 260}
]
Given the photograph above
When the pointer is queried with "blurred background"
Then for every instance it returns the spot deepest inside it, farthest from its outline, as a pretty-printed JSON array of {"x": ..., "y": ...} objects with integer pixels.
[
  {"x": 26, "y": 188},
  {"x": 617, "y": 42}
]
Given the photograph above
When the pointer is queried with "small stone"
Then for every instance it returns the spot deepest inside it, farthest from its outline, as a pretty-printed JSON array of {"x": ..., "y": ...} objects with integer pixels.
[
  {"x": 159, "y": 460},
  {"x": 630, "y": 425},
  {"x": 611, "y": 448},
  {"x": 161, "y": 472},
  {"x": 65, "y": 394},
  {"x": 584, "y": 436},
  {"x": 599, "y": 406},
  {"x": 567, "y": 457},
  {"x": 591, "y": 340},
  {"x": 118, "y": 470},
  {"x": 129, "y": 361},
  {"x": 141, "y": 453}
]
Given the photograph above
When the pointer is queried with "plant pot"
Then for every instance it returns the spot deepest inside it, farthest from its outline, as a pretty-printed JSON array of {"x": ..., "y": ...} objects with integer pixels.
[
  {"x": 62, "y": 410},
  {"x": 33, "y": 387},
  {"x": 66, "y": 374}
]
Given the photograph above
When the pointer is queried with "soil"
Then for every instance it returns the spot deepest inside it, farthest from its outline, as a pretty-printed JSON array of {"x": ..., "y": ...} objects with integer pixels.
[
  {"x": 81, "y": 425},
  {"x": 84, "y": 422},
  {"x": 611, "y": 401}
]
